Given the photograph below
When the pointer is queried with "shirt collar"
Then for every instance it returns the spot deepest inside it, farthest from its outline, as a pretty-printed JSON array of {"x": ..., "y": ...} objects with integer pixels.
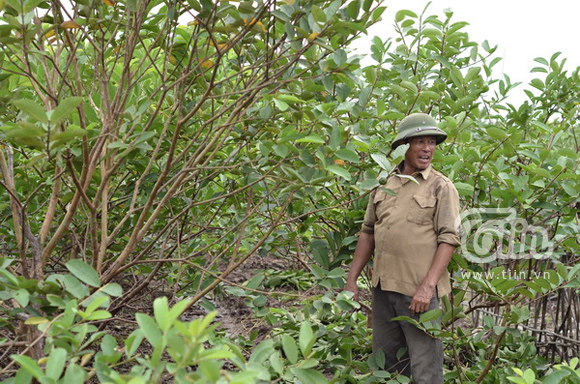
[{"x": 425, "y": 172}]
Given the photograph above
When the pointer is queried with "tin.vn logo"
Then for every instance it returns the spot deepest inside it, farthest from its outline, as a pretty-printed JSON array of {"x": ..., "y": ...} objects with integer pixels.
[{"x": 490, "y": 234}]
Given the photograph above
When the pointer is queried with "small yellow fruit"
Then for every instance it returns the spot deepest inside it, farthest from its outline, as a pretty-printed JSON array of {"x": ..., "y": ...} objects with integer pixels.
[{"x": 313, "y": 36}]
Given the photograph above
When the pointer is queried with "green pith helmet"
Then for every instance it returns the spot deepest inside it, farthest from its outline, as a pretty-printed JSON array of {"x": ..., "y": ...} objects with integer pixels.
[{"x": 418, "y": 124}]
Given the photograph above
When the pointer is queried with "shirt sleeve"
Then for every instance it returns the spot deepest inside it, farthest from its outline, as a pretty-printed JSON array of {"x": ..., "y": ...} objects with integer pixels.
[
  {"x": 447, "y": 220},
  {"x": 370, "y": 218}
]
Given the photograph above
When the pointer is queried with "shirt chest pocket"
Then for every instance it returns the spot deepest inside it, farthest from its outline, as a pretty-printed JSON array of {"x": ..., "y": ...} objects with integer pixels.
[
  {"x": 422, "y": 210},
  {"x": 382, "y": 202}
]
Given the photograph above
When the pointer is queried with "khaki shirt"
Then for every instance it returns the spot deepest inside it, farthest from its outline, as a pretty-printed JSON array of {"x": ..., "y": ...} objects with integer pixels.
[{"x": 408, "y": 226}]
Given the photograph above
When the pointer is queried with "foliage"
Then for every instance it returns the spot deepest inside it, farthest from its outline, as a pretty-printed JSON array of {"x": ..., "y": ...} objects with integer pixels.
[
  {"x": 174, "y": 141},
  {"x": 561, "y": 373}
]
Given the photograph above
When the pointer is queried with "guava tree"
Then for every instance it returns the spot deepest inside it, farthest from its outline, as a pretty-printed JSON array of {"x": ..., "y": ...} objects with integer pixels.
[
  {"x": 181, "y": 137},
  {"x": 147, "y": 131},
  {"x": 172, "y": 141}
]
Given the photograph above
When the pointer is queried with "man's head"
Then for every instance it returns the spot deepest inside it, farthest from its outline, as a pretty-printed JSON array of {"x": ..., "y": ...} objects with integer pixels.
[
  {"x": 420, "y": 131},
  {"x": 418, "y": 124},
  {"x": 420, "y": 152}
]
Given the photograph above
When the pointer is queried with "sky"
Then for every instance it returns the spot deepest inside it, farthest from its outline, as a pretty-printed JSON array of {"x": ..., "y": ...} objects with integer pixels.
[{"x": 523, "y": 30}]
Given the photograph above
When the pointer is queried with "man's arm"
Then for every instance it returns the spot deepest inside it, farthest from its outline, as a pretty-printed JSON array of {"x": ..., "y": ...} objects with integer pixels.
[
  {"x": 425, "y": 292},
  {"x": 363, "y": 252}
]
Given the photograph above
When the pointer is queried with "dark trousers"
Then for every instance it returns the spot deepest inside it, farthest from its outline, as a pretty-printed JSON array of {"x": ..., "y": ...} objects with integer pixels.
[{"x": 423, "y": 355}]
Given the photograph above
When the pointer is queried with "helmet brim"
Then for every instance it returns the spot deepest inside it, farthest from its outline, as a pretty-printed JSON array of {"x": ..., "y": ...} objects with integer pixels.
[{"x": 438, "y": 133}]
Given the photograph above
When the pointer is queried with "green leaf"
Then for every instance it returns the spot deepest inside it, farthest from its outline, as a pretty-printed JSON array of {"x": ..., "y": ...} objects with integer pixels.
[
  {"x": 309, "y": 376},
  {"x": 332, "y": 8},
  {"x": 464, "y": 189},
  {"x": 210, "y": 370},
  {"x": 141, "y": 137},
  {"x": 24, "y": 130},
  {"x": 96, "y": 303},
  {"x": 337, "y": 170},
  {"x": 306, "y": 338},
  {"x": 544, "y": 283},
  {"x": 431, "y": 32},
  {"x": 253, "y": 374},
  {"x": 36, "y": 320},
  {"x": 281, "y": 150},
  {"x": 8, "y": 275},
  {"x": 336, "y": 272},
  {"x": 28, "y": 364},
  {"x": 369, "y": 184},
  {"x": 22, "y": 296},
  {"x": 318, "y": 14},
  {"x": 410, "y": 86},
  {"x": 530, "y": 376},
  {"x": 553, "y": 277},
  {"x": 517, "y": 380},
  {"x": 400, "y": 15},
  {"x": 382, "y": 161},
  {"x": 84, "y": 272},
  {"x": 556, "y": 377},
  {"x": 289, "y": 98},
  {"x": 74, "y": 286},
  {"x": 431, "y": 315},
  {"x": 64, "y": 109},
  {"x": 74, "y": 374},
  {"x": 109, "y": 345},
  {"x": 290, "y": 348},
  {"x": 496, "y": 133},
  {"x": 537, "y": 83},
  {"x": 409, "y": 177},
  {"x": 133, "y": 342},
  {"x": 112, "y": 289},
  {"x": 377, "y": 13},
  {"x": 166, "y": 317},
  {"x": 32, "y": 109},
  {"x": 388, "y": 191},
  {"x": 68, "y": 135},
  {"x": 118, "y": 144},
  {"x": 311, "y": 139},
  {"x": 525, "y": 292},
  {"x": 98, "y": 315},
  {"x": 277, "y": 363},
  {"x": 149, "y": 329},
  {"x": 348, "y": 155},
  {"x": 161, "y": 311},
  {"x": 211, "y": 354},
  {"x": 262, "y": 351},
  {"x": 178, "y": 309},
  {"x": 281, "y": 105},
  {"x": 55, "y": 364},
  {"x": 132, "y": 5}
]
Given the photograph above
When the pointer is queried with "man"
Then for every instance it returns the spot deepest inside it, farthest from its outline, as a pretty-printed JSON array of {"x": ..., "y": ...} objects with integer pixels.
[{"x": 412, "y": 235}]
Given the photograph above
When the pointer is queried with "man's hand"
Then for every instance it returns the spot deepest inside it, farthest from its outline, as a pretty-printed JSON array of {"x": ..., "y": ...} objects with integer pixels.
[
  {"x": 421, "y": 299},
  {"x": 426, "y": 291},
  {"x": 362, "y": 254},
  {"x": 352, "y": 287}
]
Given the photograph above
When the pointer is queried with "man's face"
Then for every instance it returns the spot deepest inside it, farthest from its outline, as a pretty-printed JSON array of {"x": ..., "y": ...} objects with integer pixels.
[{"x": 420, "y": 152}]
